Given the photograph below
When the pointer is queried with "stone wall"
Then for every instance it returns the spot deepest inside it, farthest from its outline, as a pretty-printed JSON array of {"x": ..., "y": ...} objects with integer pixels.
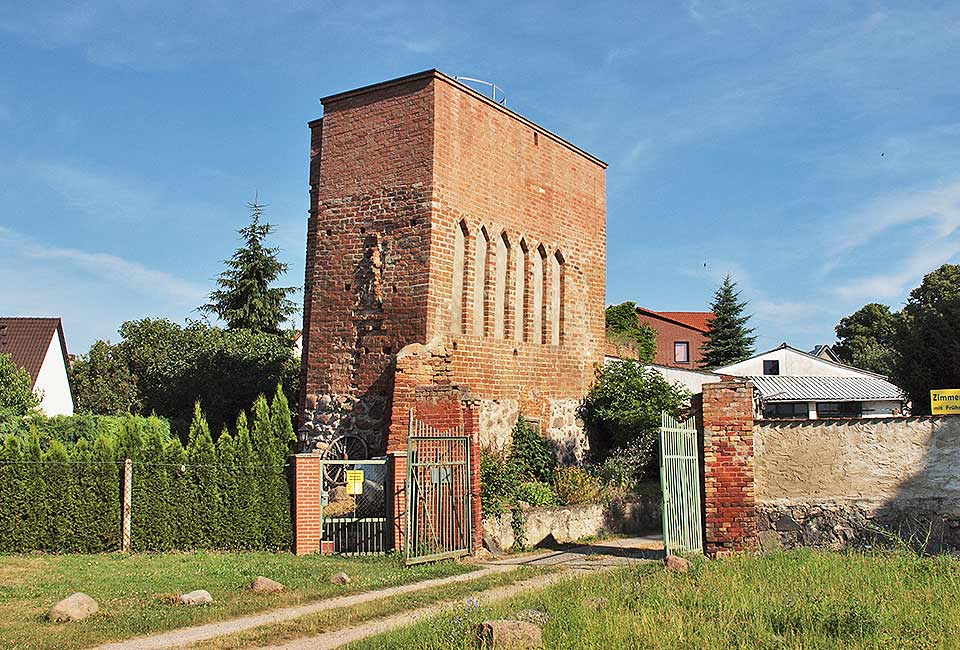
[
  {"x": 836, "y": 482},
  {"x": 568, "y": 524},
  {"x": 497, "y": 419},
  {"x": 567, "y": 432}
]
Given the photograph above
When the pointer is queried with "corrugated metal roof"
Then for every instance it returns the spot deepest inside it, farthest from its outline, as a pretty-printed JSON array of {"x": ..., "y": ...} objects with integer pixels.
[{"x": 779, "y": 388}]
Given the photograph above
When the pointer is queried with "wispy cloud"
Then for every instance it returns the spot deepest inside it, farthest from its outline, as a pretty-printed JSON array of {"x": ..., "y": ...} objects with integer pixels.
[
  {"x": 109, "y": 268},
  {"x": 95, "y": 192},
  {"x": 420, "y": 45}
]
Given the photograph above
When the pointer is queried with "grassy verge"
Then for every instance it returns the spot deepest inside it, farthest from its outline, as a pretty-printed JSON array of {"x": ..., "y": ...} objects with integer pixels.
[
  {"x": 131, "y": 590},
  {"x": 346, "y": 617},
  {"x": 801, "y": 599}
]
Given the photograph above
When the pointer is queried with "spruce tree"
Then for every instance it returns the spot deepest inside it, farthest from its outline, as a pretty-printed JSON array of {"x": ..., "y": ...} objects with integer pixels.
[
  {"x": 728, "y": 338},
  {"x": 245, "y": 299}
]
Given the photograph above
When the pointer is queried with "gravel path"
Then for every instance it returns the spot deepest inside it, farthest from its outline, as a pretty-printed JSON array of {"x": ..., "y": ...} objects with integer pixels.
[
  {"x": 339, "y": 638},
  {"x": 186, "y": 636}
]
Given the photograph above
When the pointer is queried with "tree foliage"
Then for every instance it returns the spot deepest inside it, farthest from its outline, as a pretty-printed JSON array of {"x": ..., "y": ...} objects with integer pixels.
[
  {"x": 867, "y": 339},
  {"x": 103, "y": 383},
  {"x": 172, "y": 367},
  {"x": 728, "y": 338},
  {"x": 928, "y": 337},
  {"x": 626, "y": 402},
  {"x": 245, "y": 298},
  {"x": 624, "y": 328},
  {"x": 17, "y": 398}
]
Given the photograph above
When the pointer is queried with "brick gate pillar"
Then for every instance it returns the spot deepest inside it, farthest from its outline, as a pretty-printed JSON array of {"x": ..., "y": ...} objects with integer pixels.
[
  {"x": 306, "y": 503},
  {"x": 728, "y": 467}
]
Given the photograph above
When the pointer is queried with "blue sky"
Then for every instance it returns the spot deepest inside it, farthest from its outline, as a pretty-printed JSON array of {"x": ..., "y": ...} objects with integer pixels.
[{"x": 810, "y": 149}]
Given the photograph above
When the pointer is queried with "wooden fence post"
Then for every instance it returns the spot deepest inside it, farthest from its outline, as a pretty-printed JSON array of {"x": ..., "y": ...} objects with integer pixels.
[{"x": 127, "y": 488}]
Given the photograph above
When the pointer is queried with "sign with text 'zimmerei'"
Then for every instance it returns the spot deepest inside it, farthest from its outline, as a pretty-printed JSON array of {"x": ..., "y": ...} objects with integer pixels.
[{"x": 945, "y": 401}]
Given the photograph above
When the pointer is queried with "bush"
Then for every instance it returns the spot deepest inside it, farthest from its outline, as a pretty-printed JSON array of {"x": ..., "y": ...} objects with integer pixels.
[
  {"x": 627, "y": 401},
  {"x": 538, "y": 494},
  {"x": 531, "y": 453},
  {"x": 626, "y": 467},
  {"x": 576, "y": 486},
  {"x": 499, "y": 483},
  {"x": 64, "y": 495}
]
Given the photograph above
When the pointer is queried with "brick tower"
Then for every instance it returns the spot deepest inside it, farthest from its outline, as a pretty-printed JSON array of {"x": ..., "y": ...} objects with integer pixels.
[{"x": 439, "y": 217}]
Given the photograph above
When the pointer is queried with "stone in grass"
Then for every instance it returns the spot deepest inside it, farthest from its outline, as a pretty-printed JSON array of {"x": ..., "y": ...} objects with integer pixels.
[
  {"x": 340, "y": 578},
  {"x": 74, "y": 607},
  {"x": 198, "y": 597},
  {"x": 676, "y": 563},
  {"x": 264, "y": 585},
  {"x": 597, "y": 603},
  {"x": 510, "y": 635}
]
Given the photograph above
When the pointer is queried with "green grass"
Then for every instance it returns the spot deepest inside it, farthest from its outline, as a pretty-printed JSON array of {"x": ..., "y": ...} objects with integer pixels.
[
  {"x": 131, "y": 590},
  {"x": 314, "y": 624},
  {"x": 800, "y": 599}
]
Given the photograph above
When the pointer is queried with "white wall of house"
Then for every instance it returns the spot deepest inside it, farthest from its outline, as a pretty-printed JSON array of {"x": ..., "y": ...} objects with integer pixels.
[
  {"x": 792, "y": 364},
  {"x": 692, "y": 380},
  {"x": 52, "y": 382}
]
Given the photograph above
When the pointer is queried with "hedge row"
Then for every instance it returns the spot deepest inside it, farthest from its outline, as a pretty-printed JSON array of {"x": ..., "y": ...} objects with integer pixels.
[{"x": 230, "y": 495}]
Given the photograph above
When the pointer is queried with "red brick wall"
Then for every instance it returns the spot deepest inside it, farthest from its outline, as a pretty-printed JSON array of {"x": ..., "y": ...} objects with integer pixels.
[
  {"x": 393, "y": 171},
  {"x": 495, "y": 170},
  {"x": 730, "y": 502},
  {"x": 668, "y": 333},
  {"x": 306, "y": 504}
]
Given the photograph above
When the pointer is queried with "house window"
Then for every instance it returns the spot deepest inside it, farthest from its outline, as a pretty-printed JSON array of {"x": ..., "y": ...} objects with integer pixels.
[
  {"x": 786, "y": 411},
  {"x": 681, "y": 351},
  {"x": 771, "y": 367},
  {"x": 839, "y": 409}
]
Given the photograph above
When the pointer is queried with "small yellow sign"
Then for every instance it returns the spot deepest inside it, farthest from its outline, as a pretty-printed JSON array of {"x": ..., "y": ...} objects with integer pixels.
[
  {"x": 945, "y": 401},
  {"x": 354, "y": 481}
]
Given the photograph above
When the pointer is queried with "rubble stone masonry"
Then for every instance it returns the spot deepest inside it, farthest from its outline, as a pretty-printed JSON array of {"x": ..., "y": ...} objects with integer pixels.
[{"x": 438, "y": 216}]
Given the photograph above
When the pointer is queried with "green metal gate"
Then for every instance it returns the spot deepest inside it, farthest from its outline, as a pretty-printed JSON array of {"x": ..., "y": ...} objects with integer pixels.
[
  {"x": 353, "y": 506},
  {"x": 438, "y": 522},
  {"x": 680, "y": 482}
]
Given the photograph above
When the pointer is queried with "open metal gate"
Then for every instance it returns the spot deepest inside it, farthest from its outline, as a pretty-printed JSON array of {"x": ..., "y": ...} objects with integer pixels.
[
  {"x": 438, "y": 522},
  {"x": 680, "y": 482},
  {"x": 353, "y": 506}
]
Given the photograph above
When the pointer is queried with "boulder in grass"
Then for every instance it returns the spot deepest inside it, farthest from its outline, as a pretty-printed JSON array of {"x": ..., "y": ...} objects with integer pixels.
[
  {"x": 510, "y": 635},
  {"x": 676, "y": 564},
  {"x": 198, "y": 597},
  {"x": 264, "y": 585},
  {"x": 74, "y": 607},
  {"x": 340, "y": 578}
]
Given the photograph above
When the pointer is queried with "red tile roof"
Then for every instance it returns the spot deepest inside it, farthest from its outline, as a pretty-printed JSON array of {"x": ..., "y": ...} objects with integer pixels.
[
  {"x": 695, "y": 320},
  {"x": 26, "y": 340},
  {"x": 698, "y": 320}
]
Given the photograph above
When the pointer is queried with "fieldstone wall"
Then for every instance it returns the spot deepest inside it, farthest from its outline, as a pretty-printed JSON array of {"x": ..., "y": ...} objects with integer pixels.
[
  {"x": 833, "y": 483},
  {"x": 328, "y": 416},
  {"x": 497, "y": 418},
  {"x": 567, "y": 432},
  {"x": 568, "y": 524}
]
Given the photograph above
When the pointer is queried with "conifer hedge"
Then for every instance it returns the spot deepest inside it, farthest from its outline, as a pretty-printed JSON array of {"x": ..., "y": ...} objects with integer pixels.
[{"x": 64, "y": 495}]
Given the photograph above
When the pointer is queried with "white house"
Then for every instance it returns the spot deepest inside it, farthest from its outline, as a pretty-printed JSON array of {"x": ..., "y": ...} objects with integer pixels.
[
  {"x": 792, "y": 384},
  {"x": 38, "y": 346}
]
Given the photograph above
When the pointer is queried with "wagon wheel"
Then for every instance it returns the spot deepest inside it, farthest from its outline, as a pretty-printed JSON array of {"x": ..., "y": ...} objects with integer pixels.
[{"x": 347, "y": 447}]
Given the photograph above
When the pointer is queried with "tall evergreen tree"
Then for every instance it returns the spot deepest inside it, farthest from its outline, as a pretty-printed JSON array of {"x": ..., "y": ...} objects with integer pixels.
[
  {"x": 245, "y": 298},
  {"x": 728, "y": 338},
  {"x": 201, "y": 458},
  {"x": 250, "y": 499}
]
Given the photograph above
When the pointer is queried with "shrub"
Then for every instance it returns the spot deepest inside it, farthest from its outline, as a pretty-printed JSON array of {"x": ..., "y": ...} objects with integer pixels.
[
  {"x": 532, "y": 454},
  {"x": 627, "y": 401},
  {"x": 576, "y": 486},
  {"x": 16, "y": 393},
  {"x": 499, "y": 483},
  {"x": 64, "y": 495},
  {"x": 538, "y": 494},
  {"x": 626, "y": 467}
]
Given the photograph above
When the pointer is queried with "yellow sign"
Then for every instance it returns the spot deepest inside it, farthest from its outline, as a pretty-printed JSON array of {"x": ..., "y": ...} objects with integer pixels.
[
  {"x": 354, "y": 481},
  {"x": 945, "y": 401}
]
